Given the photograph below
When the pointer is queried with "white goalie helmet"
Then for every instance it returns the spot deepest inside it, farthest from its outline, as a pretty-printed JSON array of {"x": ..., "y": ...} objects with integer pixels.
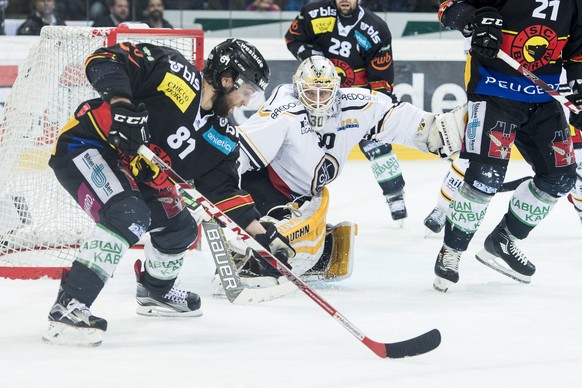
[{"x": 316, "y": 85}]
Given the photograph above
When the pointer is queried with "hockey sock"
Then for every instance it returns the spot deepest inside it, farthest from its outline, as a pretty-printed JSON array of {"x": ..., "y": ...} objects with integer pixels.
[
  {"x": 466, "y": 211},
  {"x": 527, "y": 208},
  {"x": 161, "y": 269},
  {"x": 102, "y": 252}
]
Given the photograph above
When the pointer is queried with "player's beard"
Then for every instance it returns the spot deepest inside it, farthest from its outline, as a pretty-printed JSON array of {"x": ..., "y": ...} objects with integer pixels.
[
  {"x": 221, "y": 107},
  {"x": 348, "y": 12}
]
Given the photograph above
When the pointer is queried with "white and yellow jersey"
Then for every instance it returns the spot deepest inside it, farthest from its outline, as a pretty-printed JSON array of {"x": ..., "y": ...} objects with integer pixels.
[{"x": 302, "y": 161}]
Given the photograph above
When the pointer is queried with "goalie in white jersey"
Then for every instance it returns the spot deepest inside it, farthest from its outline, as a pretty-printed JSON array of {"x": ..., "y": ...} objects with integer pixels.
[{"x": 299, "y": 141}]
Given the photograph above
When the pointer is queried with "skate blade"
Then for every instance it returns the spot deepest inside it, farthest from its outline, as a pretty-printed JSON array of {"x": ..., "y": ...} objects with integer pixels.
[
  {"x": 63, "y": 334},
  {"x": 501, "y": 266},
  {"x": 159, "y": 311},
  {"x": 441, "y": 284}
]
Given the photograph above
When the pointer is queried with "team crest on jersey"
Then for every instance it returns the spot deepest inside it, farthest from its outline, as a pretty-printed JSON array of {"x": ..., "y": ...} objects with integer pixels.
[
  {"x": 345, "y": 72},
  {"x": 325, "y": 172},
  {"x": 563, "y": 148},
  {"x": 501, "y": 140},
  {"x": 536, "y": 46}
]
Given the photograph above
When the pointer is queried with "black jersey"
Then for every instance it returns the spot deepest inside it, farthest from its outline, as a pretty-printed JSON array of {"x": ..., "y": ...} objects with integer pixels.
[
  {"x": 542, "y": 35},
  {"x": 199, "y": 145},
  {"x": 360, "y": 46}
]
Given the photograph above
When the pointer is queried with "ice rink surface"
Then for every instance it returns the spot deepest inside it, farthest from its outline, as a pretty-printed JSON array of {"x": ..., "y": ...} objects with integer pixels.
[{"x": 496, "y": 332}]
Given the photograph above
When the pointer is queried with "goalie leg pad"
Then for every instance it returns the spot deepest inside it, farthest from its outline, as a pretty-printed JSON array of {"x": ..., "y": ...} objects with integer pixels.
[
  {"x": 342, "y": 254},
  {"x": 306, "y": 232}
]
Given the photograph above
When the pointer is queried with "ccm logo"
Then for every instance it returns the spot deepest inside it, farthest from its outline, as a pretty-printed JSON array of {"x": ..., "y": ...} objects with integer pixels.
[
  {"x": 130, "y": 120},
  {"x": 492, "y": 21}
]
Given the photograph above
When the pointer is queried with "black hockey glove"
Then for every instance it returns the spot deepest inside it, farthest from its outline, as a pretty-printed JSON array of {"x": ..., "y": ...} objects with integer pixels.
[
  {"x": 129, "y": 127},
  {"x": 277, "y": 244},
  {"x": 487, "y": 35}
]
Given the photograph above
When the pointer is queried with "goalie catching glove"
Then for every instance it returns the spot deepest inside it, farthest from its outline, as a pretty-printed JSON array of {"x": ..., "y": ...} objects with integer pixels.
[
  {"x": 442, "y": 134},
  {"x": 129, "y": 127}
]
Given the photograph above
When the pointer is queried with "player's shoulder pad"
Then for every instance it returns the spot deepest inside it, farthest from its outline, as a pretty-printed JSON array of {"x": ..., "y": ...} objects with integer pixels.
[{"x": 281, "y": 103}]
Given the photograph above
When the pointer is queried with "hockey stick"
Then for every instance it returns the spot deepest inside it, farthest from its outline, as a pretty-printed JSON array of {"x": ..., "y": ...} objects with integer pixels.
[
  {"x": 234, "y": 290},
  {"x": 411, "y": 347},
  {"x": 532, "y": 77},
  {"x": 512, "y": 185}
]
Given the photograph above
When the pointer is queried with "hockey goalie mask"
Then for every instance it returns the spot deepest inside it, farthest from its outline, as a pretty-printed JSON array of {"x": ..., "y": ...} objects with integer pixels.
[{"x": 316, "y": 85}]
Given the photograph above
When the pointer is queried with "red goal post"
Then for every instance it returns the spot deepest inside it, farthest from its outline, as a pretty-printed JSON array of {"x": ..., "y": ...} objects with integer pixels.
[{"x": 41, "y": 226}]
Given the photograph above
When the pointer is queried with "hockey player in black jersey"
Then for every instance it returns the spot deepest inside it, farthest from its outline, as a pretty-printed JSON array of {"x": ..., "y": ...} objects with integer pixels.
[
  {"x": 359, "y": 44},
  {"x": 506, "y": 108},
  {"x": 151, "y": 95}
]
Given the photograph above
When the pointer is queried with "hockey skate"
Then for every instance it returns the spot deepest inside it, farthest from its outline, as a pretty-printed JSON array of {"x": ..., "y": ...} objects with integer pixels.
[
  {"x": 502, "y": 254},
  {"x": 435, "y": 221},
  {"x": 397, "y": 208},
  {"x": 71, "y": 323},
  {"x": 174, "y": 303},
  {"x": 446, "y": 268}
]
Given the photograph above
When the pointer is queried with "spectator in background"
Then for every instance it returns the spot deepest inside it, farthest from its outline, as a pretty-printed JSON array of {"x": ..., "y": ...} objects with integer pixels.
[
  {"x": 72, "y": 9},
  {"x": 227, "y": 5},
  {"x": 426, "y": 6},
  {"x": 155, "y": 15},
  {"x": 43, "y": 14},
  {"x": 184, "y": 4},
  {"x": 263, "y": 5},
  {"x": 118, "y": 13},
  {"x": 295, "y": 5},
  {"x": 3, "y": 6},
  {"x": 377, "y": 5}
]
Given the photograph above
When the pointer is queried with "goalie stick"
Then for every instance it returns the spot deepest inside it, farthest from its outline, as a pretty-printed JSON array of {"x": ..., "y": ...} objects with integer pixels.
[{"x": 418, "y": 345}]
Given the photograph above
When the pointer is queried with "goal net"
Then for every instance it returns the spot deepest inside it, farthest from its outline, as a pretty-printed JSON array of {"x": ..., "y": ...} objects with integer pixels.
[{"x": 41, "y": 226}]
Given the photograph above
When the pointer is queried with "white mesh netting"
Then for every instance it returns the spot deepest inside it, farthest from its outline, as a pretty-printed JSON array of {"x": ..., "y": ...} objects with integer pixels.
[{"x": 40, "y": 224}]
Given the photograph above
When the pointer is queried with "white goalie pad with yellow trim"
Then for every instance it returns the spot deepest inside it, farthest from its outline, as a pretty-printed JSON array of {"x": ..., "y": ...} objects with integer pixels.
[{"x": 307, "y": 232}]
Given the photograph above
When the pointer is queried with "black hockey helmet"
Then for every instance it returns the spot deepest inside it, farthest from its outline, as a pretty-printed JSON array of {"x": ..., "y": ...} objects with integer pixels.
[{"x": 247, "y": 63}]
